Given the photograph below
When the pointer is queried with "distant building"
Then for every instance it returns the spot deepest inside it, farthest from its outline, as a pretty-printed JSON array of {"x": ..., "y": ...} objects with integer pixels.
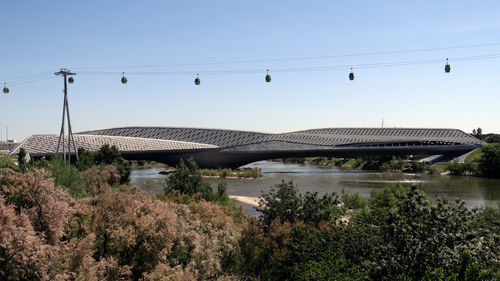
[{"x": 8, "y": 145}]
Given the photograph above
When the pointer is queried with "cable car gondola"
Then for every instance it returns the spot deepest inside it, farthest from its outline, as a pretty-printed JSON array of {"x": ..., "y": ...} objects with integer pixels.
[
  {"x": 71, "y": 80},
  {"x": 447, "y": 67},
  {"x": 268, "y": 77},
  {"x": 197, "y": 80},
  {"x": 5, "y": 89},
  {"x": 124, "y": 79},
  {"x": 351, "y": 75}
]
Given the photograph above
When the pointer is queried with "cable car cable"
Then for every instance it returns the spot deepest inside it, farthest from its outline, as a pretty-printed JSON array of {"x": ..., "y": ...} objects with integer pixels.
[
  {"x": 305, "y": 69},
  {"x": 297, "y": 58},
  {"x": 30, "y": 81}
]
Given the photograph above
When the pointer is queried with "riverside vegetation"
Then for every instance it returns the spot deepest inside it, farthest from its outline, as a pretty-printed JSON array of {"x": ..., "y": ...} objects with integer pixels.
[
  {"x": 83, "y": 222},
  {"x": 380, "y": 163},
  {"x": 247, "y": 173},
  {"x": 484, "y": 162}
]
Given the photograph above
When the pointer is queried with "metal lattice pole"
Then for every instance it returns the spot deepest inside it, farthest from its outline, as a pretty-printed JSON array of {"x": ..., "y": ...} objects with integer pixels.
[{"x": 71, "y": 140}]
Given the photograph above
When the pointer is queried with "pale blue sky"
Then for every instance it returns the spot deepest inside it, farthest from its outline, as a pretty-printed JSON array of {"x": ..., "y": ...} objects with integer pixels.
[{"x": 38, "y": 36}]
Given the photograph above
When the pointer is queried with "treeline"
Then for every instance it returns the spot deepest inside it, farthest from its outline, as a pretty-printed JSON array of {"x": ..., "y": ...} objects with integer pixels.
[
  {"x": 485, "y": 163},
  {"x": 375, "y": 163},
  {"x": 489, "y": 138}
]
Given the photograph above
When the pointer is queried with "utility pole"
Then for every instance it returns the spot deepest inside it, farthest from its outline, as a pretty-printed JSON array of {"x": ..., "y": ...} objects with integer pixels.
[{"x": 71, "y": 140}]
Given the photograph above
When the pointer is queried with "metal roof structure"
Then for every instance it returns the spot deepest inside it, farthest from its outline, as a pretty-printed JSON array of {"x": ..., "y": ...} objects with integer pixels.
[
  {"x": 320, "y": 137},
  {"x": 230, "y": 148},
  {"x": 43, "y": 145}
]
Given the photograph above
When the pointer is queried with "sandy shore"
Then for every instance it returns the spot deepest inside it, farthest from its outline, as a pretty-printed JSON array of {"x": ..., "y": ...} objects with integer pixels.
[{"x": 254, "y": 201}]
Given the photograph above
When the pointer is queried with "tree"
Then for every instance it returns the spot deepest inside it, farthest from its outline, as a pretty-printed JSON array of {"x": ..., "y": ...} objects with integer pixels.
[
  {"x": 85, "y": 159},
  {"x": 107, "y": 155},
  {"x": 285, "y": 202},
  {"x": 21, "y": 159},
  {"x": 423, "y": 234},
  {"x": 490, "y": 161},
  {"x": 188, "y": 179}
]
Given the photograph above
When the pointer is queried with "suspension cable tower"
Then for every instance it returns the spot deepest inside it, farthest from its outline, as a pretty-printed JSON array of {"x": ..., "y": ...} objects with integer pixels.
[{"x": 71, "y": 140}]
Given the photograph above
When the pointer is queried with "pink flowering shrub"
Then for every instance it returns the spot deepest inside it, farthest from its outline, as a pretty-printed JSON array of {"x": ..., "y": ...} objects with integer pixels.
[
  {"x": 98, "y": 179},
  {"x": 45, "y": 234},
  {"x": 48, "y": 208},
  {"x": 23, "y": 253}
]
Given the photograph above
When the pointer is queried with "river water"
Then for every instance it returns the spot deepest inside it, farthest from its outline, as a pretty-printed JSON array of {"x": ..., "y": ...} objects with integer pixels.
[{"x": 475, "y": 191}]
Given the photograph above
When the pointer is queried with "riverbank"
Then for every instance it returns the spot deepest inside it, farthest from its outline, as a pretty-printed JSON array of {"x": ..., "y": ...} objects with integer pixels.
[{"x": 252, "y": 201}]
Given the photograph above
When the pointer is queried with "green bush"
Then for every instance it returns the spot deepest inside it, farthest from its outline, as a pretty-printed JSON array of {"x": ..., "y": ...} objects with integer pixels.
[
  {"x": 328, "y": 267},
  {"x": 354, "y": 200},
  {"x": 466, "y": 271},
  {"x": 285, "y": 202},
  {"x": 7, "y": 162},
  {"x": 188, "y": 180},
  {"x": 67, "y": 176},
  {"x": 225, "y": 173},
  {"x": 489, "y": 163},
  {"x": 106, "y": 155},
  {"x": 462, "y": 169},
  {"x": 85, "y": 159},
  {"x": 250, "y": 173}
]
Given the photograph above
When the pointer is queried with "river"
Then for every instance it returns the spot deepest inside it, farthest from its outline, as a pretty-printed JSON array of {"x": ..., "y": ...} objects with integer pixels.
[{"x": 475, "y": 191}]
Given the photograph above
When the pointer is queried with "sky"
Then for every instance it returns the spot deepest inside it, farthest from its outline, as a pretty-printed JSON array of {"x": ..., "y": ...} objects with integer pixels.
[{"x": 101, "y": 39}]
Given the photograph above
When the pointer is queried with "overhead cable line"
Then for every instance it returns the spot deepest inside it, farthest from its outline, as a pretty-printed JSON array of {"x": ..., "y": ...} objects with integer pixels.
[
  {"x": 30, "y": 80},
  {"x": 302, "y": 69},
  {"x": 27, "y": 76},
  {"x": 33, "y": 75},
  {"x": 295, "y": 58}
]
